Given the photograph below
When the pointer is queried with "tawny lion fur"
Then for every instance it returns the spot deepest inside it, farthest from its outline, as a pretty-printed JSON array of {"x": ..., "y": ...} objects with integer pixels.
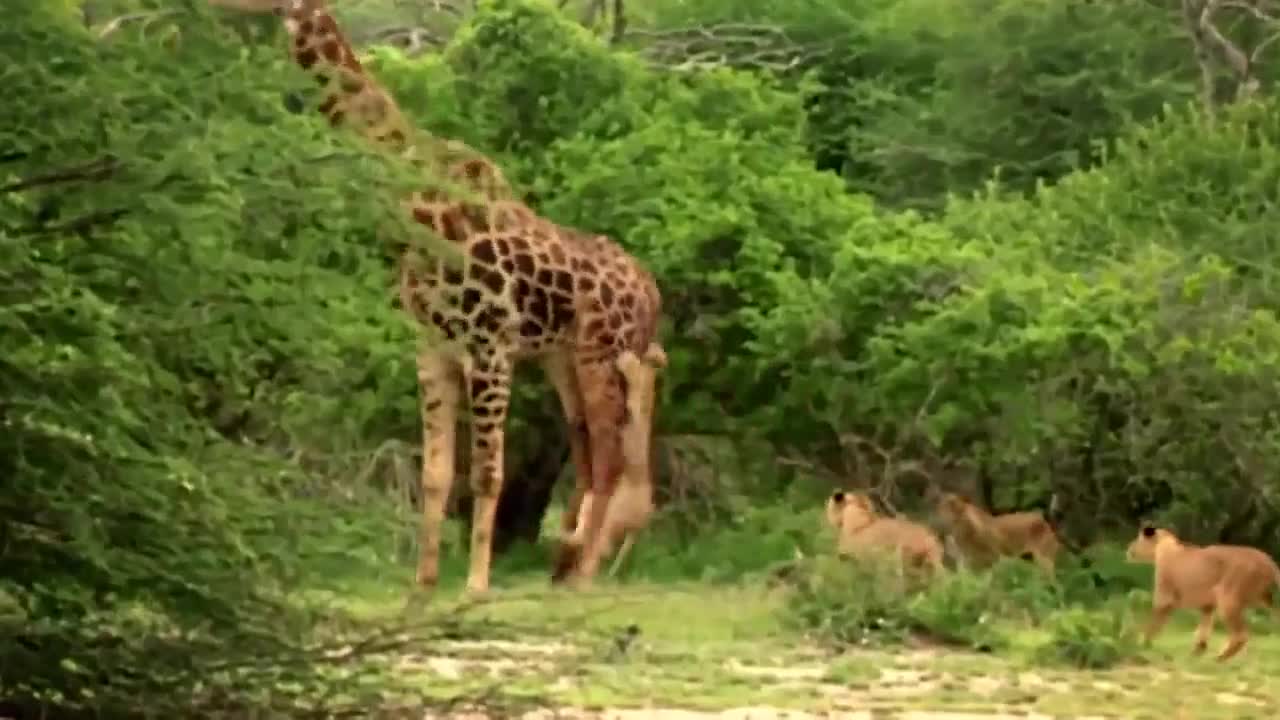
[
  {"x": 631, "y": 503},
  {"x": 1226, "y": 578},
  {"x": 864, "y": 532},
  {"x": 983, "y": 538}
]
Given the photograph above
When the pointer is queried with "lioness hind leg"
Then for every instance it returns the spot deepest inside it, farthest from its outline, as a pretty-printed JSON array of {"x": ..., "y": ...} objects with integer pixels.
[
  {"x": 1044, "y": 546},
  {"x": 1203, "y": 630},
  {"x": 1233, "y": 617},
  {"x": 632, "y": 503},
  {"x": 622, "y": 553}
]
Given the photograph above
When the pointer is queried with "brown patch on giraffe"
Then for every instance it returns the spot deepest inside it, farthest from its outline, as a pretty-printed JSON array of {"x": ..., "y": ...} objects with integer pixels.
[
  {"x": 332, "y": 51},
  {"x": 492, "y": 280},
  {"x": 306, "y": 57}
]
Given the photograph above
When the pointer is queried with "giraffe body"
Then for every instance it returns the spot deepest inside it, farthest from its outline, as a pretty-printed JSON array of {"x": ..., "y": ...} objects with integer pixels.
[{"x": 522, "y": 288}]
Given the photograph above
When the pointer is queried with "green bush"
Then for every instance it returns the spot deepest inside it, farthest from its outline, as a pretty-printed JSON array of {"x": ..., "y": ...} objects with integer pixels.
[
  {"x": 180, "y": 328},
  {"x": 1187, "y": 182},
  {"x": 848, "y": 601},
  {"x": 1088, "y": 639},
  {"x": 915, "y": 102}
]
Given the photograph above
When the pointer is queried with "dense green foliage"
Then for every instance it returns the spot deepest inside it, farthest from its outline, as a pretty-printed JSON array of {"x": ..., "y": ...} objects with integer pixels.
[{"x": 203, "y": 372}]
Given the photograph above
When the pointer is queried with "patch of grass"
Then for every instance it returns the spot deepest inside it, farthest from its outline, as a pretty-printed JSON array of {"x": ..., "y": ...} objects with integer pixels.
[{"x": 834, "y": 638}]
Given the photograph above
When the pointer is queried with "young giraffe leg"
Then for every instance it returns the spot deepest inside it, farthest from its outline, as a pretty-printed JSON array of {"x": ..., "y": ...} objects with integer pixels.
[
  {"x": 439, "y": 382},
  {"x": 559, "y": 369},
  {"x": 489, "y": 389}
]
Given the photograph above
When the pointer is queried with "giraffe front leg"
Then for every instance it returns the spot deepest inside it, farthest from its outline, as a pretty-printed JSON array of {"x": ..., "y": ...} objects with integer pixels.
[
  {"x": 489, "y": 389},
  {"x": 439, "y": 389}
]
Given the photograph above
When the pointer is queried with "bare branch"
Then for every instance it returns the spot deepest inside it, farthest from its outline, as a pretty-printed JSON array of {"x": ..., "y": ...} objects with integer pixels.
[
  {"x": 1235, "y": 58},
  {"x": 1257, "y": 51},
  {"x": 414, "y": 40},
  {"x": 1252, "y": 8},
  {"x": 254, "y": 6},
  {"x": 1213, "y": 48},
  {"x": 593, "y": 9},
  {"x": 619, "y": 23},
  {"x": 1191, "y": 11},
  {"x": 143, "y": 17},
  {"x": 740, "y": 45}
]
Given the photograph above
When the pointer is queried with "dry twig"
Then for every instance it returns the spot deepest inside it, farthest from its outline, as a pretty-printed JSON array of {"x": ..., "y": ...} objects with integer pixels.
[{"x": 1213, "y": 49}]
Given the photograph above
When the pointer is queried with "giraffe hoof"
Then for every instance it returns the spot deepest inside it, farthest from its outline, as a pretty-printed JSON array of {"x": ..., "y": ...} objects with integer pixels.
[
  {"x": 425, "y": 580},
  {"x": 1199, "y": 648},
  {"x": 579, "y": 582},
  {"x": 566, "y": 559}
]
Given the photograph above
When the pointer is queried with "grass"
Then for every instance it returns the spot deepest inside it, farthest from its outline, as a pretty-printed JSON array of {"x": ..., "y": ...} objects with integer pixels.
[{"x": 714, "y": 645}]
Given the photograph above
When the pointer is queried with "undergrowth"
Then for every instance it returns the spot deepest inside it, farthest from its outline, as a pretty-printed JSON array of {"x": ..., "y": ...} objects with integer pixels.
[{"x": 1081, "y": 616}]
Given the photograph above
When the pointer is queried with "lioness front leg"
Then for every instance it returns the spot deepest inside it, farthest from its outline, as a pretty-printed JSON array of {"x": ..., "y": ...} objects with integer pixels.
[
  {"x": 1159, "y": 616},
  {"x": 1203, "y": 630}
]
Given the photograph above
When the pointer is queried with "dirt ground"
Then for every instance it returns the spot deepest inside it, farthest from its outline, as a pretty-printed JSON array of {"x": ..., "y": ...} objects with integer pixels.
[{"x": 700, "y": 653}]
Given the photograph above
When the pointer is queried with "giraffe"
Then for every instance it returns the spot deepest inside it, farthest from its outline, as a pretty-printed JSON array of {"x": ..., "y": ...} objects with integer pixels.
[{"x": 526, "y": 289}]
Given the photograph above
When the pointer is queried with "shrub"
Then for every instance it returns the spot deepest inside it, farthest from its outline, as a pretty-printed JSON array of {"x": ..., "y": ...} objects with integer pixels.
[{"x": 1088, "y": 639}]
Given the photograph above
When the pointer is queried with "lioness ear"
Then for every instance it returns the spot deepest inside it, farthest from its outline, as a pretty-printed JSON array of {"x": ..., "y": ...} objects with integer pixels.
[
  {"x": 1148, "y": 531},
  {"x": 838, "y": 496}
]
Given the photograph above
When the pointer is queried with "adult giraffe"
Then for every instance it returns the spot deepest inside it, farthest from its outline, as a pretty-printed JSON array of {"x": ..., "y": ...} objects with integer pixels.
[{"x": 527, "y": 288}]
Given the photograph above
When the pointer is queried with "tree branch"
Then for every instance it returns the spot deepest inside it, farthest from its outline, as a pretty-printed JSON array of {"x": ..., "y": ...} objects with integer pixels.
[
  {"x": 414, "y": 40},
  {"x": 99, "y": 169},
  {"x": 741, "y": 45},
  {"x": 123, "y": 20},
  {"x": 619, "y": 23},
  {"x": 1212, "y": 47}
]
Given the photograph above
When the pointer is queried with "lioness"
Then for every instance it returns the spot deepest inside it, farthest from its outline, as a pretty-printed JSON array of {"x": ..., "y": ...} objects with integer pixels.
[
  {"x": 983, "y": 537},
  {"x": 864, "y": 532},
  {"x": 1228, "y": 578},
  {"x": 631, "y": 502}
]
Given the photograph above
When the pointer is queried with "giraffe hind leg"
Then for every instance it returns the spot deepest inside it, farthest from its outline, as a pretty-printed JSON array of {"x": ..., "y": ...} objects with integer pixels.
[
  {"x": 621, "y": 415},
  {"x": 604, "y": 407},
  {"x": 632, "y": 502},
  {"x": 560, "y": 371},
  {"x": 489, "y": 389},
  {"x": 439, "y": 383}
]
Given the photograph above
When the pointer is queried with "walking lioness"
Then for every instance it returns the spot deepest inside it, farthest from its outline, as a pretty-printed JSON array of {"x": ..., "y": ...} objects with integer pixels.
[
  {"x": 984, "y": 538},
  {"x": 863, "y": 532},
  {"x": 1226, "y": 578}
]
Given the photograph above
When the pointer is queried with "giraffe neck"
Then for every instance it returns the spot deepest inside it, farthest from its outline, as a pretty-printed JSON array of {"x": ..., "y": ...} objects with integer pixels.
[{"x": 352, "y": 97}]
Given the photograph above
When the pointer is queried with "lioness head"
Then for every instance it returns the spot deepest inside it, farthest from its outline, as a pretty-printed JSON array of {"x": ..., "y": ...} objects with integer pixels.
[
  {"x": 1143, "y": 547},
  {"x": 951, "y": 507},
  {"x": 843, "y": 507}
]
